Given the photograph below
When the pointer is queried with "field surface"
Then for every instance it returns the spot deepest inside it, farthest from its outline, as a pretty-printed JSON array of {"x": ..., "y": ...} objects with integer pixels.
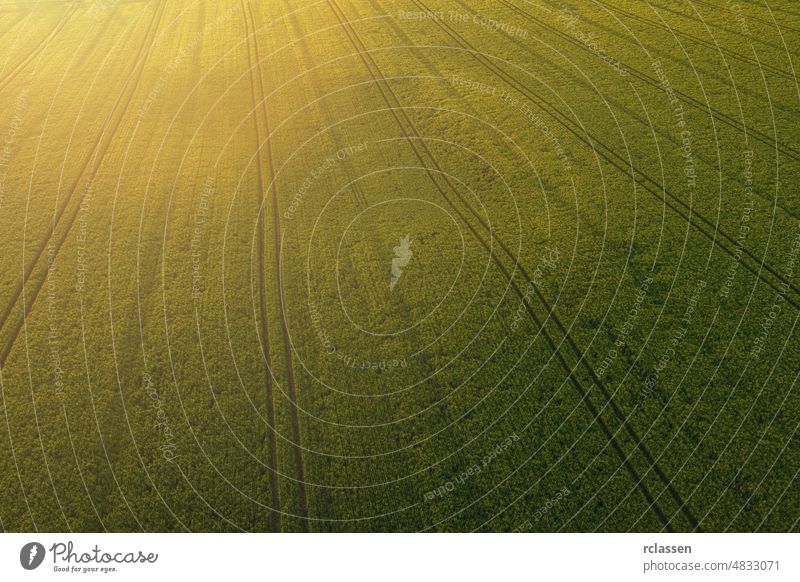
[{"x": 412, "y": 265}]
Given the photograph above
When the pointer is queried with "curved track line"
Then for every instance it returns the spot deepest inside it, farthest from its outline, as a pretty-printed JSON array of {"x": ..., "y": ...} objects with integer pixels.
[
  {"x": 648, "y": 47},
  {"x": 95, "y": 158}
]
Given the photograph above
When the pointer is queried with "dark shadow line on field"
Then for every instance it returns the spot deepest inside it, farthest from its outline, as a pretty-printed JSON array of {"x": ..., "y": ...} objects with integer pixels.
[
  {"x": 22, "y": 321},
  {"x": 701, "y": 41},
  {"x": 151, "y": 267},
  {"x": 666, "y": 27},
  {"x": 272, "y": 450},
  {"x": 14, "y": 454},
  {"x": 290, "y": 383},
  {"x": 5, "y": 81},
  {"x": 721, "y": 28},
  {"x": 670, "y": 57},
  {"x": 626, "y": 167},
  {"x": 749, "y": 16},
  {"x": 386, "y": 93},
  {"x": 721, "y": 116}
]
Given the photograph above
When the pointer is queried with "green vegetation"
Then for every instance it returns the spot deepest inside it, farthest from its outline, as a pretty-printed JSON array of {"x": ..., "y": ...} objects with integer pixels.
[{"x": 358, "y": 265}]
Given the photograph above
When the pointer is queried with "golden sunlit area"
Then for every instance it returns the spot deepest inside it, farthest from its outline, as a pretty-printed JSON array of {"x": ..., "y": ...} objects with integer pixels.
[{"x": 399, "y": 266}]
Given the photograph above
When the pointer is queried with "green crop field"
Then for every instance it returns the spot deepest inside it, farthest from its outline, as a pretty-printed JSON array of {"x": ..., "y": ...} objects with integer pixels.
[{"x": 372, "y": 265}]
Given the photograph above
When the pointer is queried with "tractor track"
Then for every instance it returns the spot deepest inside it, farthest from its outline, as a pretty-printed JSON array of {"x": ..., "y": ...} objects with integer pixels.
[
  {"x": 711, "y": 231},
  {"x": 647, "y": 46},
  {"x": 11, "y": 75},
  {"x": 95, "y": 158},
  {"x": 422, "y": 153},
  {"x": 272, "y": 460},
  {"x": 707, "y": 109},
  {"x": 290, "y": 383},
  {"x": 764, "y": 138},
  {"x": 721, "y": 28}
]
